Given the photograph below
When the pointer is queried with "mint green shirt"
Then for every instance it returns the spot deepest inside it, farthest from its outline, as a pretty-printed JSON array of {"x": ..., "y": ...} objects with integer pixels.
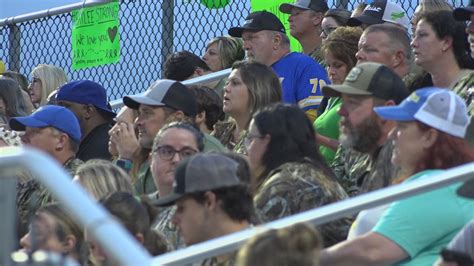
[
  {"x": 422, "y": 225},
  {"x": 327, "y": 124}
]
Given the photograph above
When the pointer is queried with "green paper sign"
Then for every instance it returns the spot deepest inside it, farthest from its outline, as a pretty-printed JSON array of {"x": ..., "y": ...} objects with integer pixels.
[
  {"x": 95, "y": 36},
  {"x": 273, "y": 7}
]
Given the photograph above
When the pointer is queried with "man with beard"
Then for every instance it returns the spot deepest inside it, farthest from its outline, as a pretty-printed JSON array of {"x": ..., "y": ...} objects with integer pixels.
[{"x": 365, "y": 149}]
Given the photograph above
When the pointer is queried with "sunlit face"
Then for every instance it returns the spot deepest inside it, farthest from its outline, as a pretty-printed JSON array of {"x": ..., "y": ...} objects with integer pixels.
[
  {"x": 470, "y": 32},
  {"x": 408, "y": 145},
  {"x": 126, "y": 115},
  {"x": 44, "y": 228},
  {"x": 301, "y": 22},
  {"x": 375, "y": 47},
  {"x": 256, "y": 146},
  {"x": 427, "y": 47},
  {"x": 149, "y": 121},
  {"x": 35, "y": 89},
  {"x": 45, "y": 138},
  {"x": 212, "y": 58},
  {"x": 359, "y": 126},
  {"x": 328, "y": 25},
  {"x": 162, "y": 168},
  {"x": 337, "y": 70},
  {"x": 258, "y": 46},
  {"x": 236, "y": 95},
  {"x": 191, "y": 219}
]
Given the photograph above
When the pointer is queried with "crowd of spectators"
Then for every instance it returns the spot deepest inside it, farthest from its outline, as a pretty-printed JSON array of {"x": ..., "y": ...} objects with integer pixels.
[{"x": 367, "y": 104}]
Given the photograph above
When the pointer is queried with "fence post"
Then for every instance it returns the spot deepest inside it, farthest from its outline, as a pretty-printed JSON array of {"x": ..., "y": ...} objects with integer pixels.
[
  {"x": 15, "y": 48},
  {"x": 167, "y": 31}
]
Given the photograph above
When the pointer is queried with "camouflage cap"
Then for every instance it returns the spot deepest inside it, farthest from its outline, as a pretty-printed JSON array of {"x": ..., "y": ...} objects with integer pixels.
[{"x": 371, "y": 79}]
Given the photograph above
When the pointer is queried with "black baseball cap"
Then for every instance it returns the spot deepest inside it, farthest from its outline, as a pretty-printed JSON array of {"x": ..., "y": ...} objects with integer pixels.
[
  {"x": 380, "y": 11},
  {"x": 464, "y": 13},
  {"x": 257, "y": 21}
]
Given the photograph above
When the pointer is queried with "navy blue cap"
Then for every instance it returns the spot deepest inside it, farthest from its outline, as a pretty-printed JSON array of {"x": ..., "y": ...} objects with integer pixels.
[
  {"x": 55, "y": 116},
  {"x": 85, "y": 92},
  {"x": 464, "y": 13}
]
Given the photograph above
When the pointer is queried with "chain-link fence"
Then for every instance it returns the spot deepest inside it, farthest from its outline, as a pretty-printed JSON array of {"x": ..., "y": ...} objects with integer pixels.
[{"x": 149, "y": 30}]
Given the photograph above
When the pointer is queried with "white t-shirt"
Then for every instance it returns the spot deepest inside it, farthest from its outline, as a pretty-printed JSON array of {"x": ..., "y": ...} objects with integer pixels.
[{"x": 366, "y": 220}]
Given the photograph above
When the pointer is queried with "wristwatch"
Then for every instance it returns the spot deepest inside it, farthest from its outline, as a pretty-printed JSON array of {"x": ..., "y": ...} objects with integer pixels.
[{"x": 125, "y": 164}]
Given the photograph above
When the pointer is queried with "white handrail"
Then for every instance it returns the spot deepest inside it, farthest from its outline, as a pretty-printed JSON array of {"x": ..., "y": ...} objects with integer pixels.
[
  {"x": 90, "y": 215},
  {"x": 214, "y": 76},
  {"x": 318, "y": 216},
  {"x": 51, "y": 12}
]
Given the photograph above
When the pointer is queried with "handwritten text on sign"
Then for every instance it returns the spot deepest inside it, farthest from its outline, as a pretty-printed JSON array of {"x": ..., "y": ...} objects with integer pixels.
[{"x": 95, "y": 36}]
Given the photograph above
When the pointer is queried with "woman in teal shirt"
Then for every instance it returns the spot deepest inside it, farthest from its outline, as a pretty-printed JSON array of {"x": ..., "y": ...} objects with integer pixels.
[{"x": 431, "y": 125}]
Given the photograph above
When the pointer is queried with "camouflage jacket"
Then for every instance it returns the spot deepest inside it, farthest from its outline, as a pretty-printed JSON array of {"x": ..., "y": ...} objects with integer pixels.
[
  {"x": 31, "y": 195},
  {"x": 224, "y": 131},
  {"x": 295, "y": 187},
  {"x": 465, "y": 89},
  {"x": 144, "y": 183},
  {"x": 318, "y": 56},
  {"x": 164, "y": 225},
  {"x": 230, "y": 260},
  {"x": 360, "y": 173}
]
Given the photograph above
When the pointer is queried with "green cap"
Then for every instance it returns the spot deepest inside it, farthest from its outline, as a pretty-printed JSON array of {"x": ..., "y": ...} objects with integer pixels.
[{"x": 371, "y": 79}]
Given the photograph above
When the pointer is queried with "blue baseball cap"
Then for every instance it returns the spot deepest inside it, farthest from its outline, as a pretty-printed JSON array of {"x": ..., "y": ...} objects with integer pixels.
[
  {"x": 55, "y": 116},
  {"x": 85, "y": 92},
  {"x": 438, "y": 108}
]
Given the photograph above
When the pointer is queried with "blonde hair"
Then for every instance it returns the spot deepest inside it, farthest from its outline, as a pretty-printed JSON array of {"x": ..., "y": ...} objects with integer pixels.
[
  {"x": 434, "y": 5},
  {"x": 102, "y": 178},
  {"x": 230, "y": 50},
  {"x": 295, "y": 245},
  {"x": 51, "y": 77},
  {"x": 427, "y": 6}
]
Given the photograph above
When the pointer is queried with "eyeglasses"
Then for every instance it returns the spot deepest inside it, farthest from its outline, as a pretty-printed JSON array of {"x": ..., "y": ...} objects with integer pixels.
[
  {"x": 328, "y": 30},
  {"x": 35, "y": 80},
  {"x": 167, "y": 152},
  {"x": 249, "y": 138}
]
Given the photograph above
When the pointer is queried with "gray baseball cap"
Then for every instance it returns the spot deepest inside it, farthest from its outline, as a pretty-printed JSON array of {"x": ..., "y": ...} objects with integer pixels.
[
  {"x": 165, "y": 92},
  {"x": 315, "y": 5},
  {"x": 199, "y": 173}
]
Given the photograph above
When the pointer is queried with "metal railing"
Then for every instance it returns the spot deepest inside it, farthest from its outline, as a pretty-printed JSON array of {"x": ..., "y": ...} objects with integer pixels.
[
  {"x": 218, "y": 75},
  {"x": 319, "y": 215},
  {"x": 114, "y": 239},
  {"x": 51, "y": 12},
  {"x": 90, "y": 215}
]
